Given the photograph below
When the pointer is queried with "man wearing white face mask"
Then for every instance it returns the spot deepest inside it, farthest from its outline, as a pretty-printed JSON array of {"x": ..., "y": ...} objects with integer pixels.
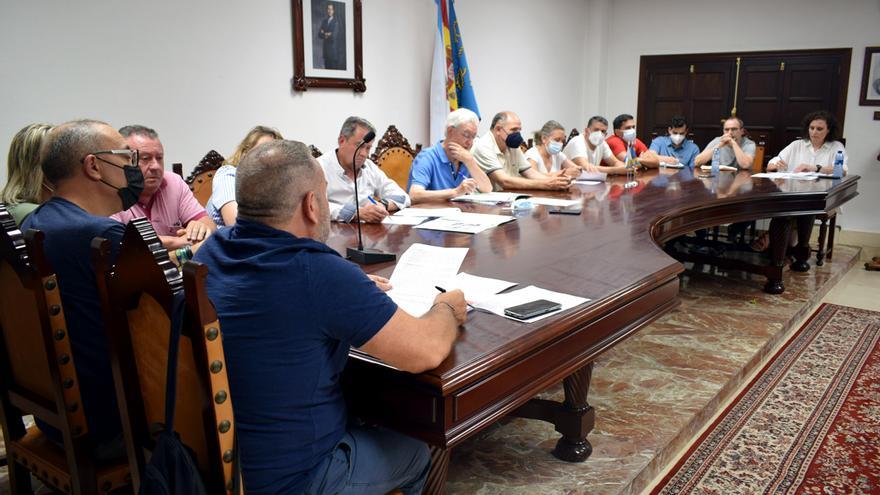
[
  {"x": 590, "y": 152},
  {"x": 676, "y": 147},
  {"x": 625, "y": 134}
]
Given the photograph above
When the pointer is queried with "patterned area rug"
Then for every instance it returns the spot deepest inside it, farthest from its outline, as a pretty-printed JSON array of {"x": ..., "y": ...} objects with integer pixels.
[{"x": 809, "y": 423}]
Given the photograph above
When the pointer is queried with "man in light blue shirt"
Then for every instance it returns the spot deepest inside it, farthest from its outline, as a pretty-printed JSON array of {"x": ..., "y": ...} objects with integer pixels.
[
  {"x": 448, "y": 169},
  {"x": 676, "y": 147}
]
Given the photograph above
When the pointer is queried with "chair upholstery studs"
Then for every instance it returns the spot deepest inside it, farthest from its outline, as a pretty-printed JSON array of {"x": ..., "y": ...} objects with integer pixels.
[
  {"x": 50, "y": 284},
  {"x": 68, "y": 383},
  {"x": 54, "y": 310},
  {"x": 212, "y": 333},
  {"x": 64, "y": 358},
  {"x": 227, "y": 456},
  {"x": 220, "y": 397},
  {"x": 59, "y": 334},
  {"x": 224, "y": 426},
  {"x": 216, "y": 366}
]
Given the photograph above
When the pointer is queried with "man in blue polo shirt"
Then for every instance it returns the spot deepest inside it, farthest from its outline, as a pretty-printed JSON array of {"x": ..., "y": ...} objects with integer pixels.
[
  {"x": 448, "y": 168},
  {"x": 95, "y": 175},
  {"x": 676, "y": 147},
  {"x": 290, "y": 308}
]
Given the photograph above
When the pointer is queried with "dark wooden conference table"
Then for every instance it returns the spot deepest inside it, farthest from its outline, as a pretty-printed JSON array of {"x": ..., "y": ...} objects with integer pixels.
[{"x": 611, "y": 254}]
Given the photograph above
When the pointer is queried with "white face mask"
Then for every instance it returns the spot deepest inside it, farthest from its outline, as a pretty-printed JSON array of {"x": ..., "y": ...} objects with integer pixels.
[
  {"x": 554, "y": 147},
  {"x": 596, "y": 137},
  {"x": 629, "y": 135},
  {"x": 676, "y": 138}
]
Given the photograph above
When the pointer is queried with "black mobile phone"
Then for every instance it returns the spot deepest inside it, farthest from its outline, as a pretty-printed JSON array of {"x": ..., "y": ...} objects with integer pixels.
[
  {"x": 532, "y": 309},
  {"x": 568, "y": 210}
]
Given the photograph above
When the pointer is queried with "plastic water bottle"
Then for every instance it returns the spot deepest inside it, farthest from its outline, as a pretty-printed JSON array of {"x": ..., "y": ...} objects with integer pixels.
[
  {"x": 838, "y": 164},
  {"x": 716, "y": 161}
]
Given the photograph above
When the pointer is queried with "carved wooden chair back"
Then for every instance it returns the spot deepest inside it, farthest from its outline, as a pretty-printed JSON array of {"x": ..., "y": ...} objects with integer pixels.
[
  {"x": 37, "y": 376},
  {"x": 137, "y": 295},
  {"x": 574, "y": 132},
  {"x": 394, "y": 156},
  {"x": 758, "y": 161},
  {"x": 201, "y": 179}
]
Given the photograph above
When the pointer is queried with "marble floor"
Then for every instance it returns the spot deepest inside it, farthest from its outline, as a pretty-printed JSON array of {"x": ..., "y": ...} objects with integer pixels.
[{"x": 655, "y": 391}]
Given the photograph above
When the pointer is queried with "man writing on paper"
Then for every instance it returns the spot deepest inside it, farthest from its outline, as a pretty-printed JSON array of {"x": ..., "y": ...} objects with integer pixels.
[
  {"x": 378, "y": 195},
  {"x": 499, "y": 155},
  {"x": 448, "y": 169},
  {"x": 290, "y": 308},
  {"x": 590, "y": 151},
  {"x": 735, "y": 150},
  {"x": 676, "y": 147}
]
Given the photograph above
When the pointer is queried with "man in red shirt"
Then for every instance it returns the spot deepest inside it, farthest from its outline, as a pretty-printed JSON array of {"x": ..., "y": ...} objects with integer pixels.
[{"x": 625, "y": 133}]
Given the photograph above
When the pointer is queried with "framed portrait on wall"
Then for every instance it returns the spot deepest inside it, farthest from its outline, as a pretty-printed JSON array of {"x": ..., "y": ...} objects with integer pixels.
[
  {"x": 870, "y": 95},
  {"x": 327, "y": 47}
]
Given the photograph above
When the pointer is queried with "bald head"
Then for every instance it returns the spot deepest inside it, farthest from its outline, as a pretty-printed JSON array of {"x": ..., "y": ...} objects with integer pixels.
[
  {"x": 273, "y": 179},
  {"x": 66, "y": 145}
]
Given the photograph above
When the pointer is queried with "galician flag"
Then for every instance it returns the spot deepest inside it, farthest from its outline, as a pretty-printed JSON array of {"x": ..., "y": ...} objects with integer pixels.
[{"x": 450, "y": 76}]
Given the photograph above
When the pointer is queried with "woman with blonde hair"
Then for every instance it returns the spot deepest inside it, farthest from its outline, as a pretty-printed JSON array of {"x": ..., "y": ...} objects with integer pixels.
[
  {"x": 222, "y": 206},
  {"x": 546, "y": 155},
  {"x": 25, "y": 187}
]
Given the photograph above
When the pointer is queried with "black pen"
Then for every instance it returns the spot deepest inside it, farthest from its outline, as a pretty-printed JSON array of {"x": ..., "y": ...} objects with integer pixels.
[{"x": 441, "y": 289}]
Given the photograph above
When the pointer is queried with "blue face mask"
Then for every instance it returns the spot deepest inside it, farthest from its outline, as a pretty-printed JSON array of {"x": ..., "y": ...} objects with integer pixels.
[
  {"x": 554, "y": 147},
  {"x": 513, "y": 140}
]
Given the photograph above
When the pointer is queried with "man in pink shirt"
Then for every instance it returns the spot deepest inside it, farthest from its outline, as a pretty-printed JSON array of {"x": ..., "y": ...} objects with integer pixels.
[{"x": 178, "y": 218}]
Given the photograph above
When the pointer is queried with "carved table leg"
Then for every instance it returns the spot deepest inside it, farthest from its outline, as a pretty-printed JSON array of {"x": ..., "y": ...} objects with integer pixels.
[
  {"x": 823, "y": 235},
  {"x": 436, "y": 484},
  {"x": 802, "y": 250},
  {"x": 574, "y": 418},
  {"x": 780, "y": 232}
]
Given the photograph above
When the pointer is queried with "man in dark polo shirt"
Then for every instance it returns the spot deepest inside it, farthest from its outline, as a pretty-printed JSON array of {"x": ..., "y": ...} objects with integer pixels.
[
  {"x": 95, "y": 175},
  {"x": 290, "y": 308}
]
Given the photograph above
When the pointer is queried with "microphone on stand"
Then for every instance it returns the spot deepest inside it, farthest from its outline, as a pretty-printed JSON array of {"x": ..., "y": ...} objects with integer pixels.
[{"x": 361, "y": 255}]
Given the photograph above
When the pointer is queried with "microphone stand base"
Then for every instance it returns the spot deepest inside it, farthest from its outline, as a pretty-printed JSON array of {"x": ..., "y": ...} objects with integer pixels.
[{"x": 369, "y": 256}]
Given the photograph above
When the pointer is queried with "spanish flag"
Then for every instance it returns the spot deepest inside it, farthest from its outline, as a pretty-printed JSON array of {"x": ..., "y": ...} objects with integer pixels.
[{"x": 450, "y": 76}]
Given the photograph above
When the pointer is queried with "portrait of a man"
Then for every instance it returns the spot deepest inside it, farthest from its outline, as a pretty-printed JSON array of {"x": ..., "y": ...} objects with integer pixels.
[{"x": 328, "y": 21}]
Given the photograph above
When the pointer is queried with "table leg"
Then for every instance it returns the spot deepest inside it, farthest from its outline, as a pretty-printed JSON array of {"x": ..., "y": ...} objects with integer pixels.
[
  {"x": 780, "y": 232},
  {"x": 802, "y": 250},
  {"x": 436, "y": 484},
  {"x": 574, "y": 417}
]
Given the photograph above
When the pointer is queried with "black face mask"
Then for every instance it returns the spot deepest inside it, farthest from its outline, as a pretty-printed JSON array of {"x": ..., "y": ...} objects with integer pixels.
[
  {"x": 134, "y": 179},
  {"x": 513, "y": 140}
]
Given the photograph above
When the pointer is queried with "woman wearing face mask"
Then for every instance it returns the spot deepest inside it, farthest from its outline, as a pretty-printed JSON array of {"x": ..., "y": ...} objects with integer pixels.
[
  {"x": 546, "y": 155},
  {"x": 25, "y": 188}
]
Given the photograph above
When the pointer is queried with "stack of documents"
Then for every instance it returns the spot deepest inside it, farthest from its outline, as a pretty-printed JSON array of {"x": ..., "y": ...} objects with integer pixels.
[
  {"x": 491, "y": 197},
  {"x": 788, "y": 175},
  {"x": 466, "y": 223},
  {"x": 415, "y": 216},
  {"x": 419, "y": 270},
  {"x": 562, "y": 203},
  {"x": 590, "y": 177},
  {"x": 723, "y": 168}
]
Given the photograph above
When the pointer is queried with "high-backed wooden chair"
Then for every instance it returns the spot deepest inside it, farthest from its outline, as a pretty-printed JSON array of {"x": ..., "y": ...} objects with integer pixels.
[
  {"x": 574, "y": 132},
  {"x": 316, "y": 153},
  {"x": 758, "y": 162},
  {"x": 202, "y": 177},
  {"x": 394, "y": 156},
  {"x": 177, "y": 168},
  {"x": 137, "y": 295},
  {"x": 37, "y": 376}
]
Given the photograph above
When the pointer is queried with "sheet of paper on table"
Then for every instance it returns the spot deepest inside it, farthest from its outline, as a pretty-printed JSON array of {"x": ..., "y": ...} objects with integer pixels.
[
  {"x": 787, "y": 175},
  {"x": 466, "y": 223},
  {"x": 490, "y": 197},
  {"x": 497, "y": 303},
  {"x": 592, "y": 176},
  {"x": 723, "y": 168},
  {"x": 418, "y": 271},
  {"x": 564, "y": 203},
  {"x": 587, "y": 182},
  {"x": 403, "y": 220},
  {"x": 476, "y": 288},
  {"x": 427, "y": 212}
]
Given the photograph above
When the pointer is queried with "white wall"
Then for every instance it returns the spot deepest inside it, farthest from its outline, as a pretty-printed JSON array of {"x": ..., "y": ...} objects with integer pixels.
[{"x": 683, "y": 26}]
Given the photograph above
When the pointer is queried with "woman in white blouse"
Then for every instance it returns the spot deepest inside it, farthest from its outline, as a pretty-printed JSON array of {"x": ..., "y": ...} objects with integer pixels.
[
  {"x": 815, "y": 151},
  {"x": 546, "y": 155}
]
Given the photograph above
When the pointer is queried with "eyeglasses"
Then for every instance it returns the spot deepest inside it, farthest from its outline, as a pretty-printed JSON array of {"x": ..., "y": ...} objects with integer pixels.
[{"x": 132, "y": 156}]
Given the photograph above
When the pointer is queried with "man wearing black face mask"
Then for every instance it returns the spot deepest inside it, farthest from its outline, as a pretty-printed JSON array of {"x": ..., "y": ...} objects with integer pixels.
[
  {"x": 95, "y": 174},
  {"x": 499, "y": 155}
]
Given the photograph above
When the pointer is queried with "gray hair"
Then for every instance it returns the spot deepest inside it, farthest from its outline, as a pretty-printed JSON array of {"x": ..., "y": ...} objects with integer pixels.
[
  {"x": 272, "y": 180},
  {"x": 742, "y": 124},
  {"x": 138, "y": 130},
  {"x": 461, "y": 116},
  {"x": 500, "y": 118},
  {"x": 349, "y": 127},
  {"x": 66, "y": 145},
  {"x": 549, "y": 127}
]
